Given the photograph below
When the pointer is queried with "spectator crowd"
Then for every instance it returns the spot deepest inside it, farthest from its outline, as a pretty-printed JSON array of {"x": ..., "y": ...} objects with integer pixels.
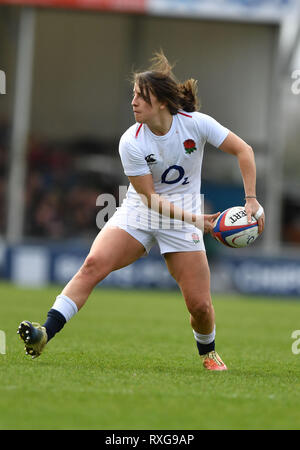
[{"x": 60, "y": 197}]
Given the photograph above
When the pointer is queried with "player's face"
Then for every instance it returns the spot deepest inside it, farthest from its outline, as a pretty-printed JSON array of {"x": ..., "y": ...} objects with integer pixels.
[{"x": 143, "y": 111}]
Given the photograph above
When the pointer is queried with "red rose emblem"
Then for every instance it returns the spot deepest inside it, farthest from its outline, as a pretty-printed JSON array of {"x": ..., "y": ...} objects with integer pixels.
[
  {"x": 190, "y": 146},
  {"x": 195, "y": 238}
]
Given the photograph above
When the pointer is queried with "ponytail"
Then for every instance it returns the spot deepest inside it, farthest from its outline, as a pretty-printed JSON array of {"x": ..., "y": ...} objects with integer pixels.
[{"x": 188, "y": 95}]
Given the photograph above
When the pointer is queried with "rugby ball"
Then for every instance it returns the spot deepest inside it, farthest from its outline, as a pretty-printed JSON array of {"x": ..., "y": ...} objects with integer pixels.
[{"x": 232, "y": 228}]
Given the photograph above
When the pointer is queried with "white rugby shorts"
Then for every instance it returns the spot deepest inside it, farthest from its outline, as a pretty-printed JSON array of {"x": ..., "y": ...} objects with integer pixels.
[{"x": 187, "y": 238}]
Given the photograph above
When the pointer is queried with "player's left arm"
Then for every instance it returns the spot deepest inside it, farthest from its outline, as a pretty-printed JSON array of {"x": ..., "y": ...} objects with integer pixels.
[{"x": 234, "y": 145}]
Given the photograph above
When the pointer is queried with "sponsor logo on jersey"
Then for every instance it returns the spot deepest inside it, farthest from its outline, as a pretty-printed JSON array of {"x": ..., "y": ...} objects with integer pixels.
[
  {"x": 189, "y": 146},
  {"x": 150, "y": 159}
]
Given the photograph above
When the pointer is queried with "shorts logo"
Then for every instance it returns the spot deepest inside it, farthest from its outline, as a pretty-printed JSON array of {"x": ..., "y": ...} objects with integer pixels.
[
  {"x": 250, "y": 239},
  {"x": 189, "y": 146},
  {"x": 195, "y": 238}
]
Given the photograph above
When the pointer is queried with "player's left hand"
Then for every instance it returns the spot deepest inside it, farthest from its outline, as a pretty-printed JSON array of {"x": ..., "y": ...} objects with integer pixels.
[
  {"x": 254, "y": 209},
  {"x": 209, "y": 221}
]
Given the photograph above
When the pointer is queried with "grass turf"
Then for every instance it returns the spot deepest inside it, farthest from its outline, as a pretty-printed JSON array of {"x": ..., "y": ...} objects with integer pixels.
[{"x": 128, "y": 360}]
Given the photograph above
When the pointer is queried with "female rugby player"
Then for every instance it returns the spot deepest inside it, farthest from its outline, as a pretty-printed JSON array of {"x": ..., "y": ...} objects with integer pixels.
[{"x": 162, "y": 157}]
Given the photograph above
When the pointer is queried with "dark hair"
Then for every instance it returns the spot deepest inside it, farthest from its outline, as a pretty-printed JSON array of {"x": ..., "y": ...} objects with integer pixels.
[{"x": 161, "y": 82}]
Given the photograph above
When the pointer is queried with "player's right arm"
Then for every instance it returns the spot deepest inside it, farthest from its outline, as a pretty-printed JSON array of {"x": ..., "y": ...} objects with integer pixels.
[{"x": 144, "y": 186}]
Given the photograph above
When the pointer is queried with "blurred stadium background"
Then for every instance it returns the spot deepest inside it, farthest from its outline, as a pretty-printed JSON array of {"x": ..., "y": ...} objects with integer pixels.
[{"x": 65, "y": 101}]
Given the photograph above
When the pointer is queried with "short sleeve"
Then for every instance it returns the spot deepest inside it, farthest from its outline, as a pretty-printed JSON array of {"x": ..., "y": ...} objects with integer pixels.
[
  {"x": 211, "y": 130},
  {"x": 132, "y": 159}
]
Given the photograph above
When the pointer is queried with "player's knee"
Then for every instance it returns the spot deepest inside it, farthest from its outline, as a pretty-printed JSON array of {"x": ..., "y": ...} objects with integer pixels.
[
  {"x": 200, "y": 308},
  {"x": 94, "y": 268}
]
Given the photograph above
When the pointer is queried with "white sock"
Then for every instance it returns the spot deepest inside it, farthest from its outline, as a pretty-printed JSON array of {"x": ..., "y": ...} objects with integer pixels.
[
  {"x": 205, "y": 338},
  {"x": 65, "y": 306}
]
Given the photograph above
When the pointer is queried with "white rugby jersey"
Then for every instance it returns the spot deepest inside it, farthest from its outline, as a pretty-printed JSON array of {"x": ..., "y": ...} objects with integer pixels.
[{"x": 174, "y": 159}]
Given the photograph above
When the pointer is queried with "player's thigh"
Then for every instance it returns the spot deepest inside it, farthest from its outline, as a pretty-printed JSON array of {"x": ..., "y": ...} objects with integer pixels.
[
  {"x": 191, "y": 271},
  {"x": 115, "y": 248}
]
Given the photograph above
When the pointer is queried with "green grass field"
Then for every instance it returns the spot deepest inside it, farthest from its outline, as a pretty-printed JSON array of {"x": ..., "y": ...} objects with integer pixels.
[{"x": 128, "y": 360}]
